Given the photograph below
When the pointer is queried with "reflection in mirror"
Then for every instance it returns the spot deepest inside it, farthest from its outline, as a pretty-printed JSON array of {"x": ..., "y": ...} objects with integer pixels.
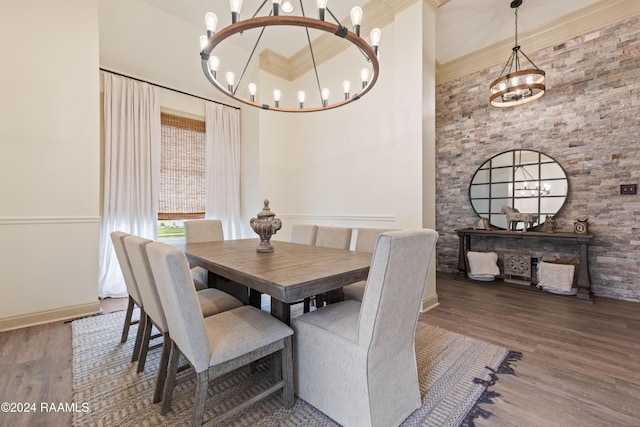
[{"x": 527, "y": 180}]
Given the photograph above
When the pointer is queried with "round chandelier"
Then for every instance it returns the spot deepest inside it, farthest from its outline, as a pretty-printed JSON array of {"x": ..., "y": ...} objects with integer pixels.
[
  {"x": 247, "y": 92},
  {"x": 517, "y": 86}
]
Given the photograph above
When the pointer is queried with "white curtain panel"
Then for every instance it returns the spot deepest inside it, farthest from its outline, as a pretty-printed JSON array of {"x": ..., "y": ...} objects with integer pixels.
[
  {"x": 131, "y": 171},
  {"x": 222, "y": 177}
]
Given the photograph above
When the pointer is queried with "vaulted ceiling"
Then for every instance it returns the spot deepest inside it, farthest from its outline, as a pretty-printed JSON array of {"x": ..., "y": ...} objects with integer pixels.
[{"x": 470, "y": 34}]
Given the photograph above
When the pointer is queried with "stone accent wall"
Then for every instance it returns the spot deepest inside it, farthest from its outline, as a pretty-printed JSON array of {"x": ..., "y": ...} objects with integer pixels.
[{"x": 588, "y": 121}]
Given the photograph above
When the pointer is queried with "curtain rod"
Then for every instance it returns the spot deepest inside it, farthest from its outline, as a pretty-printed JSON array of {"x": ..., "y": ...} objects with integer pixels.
[{"x": 168, "y": 88}]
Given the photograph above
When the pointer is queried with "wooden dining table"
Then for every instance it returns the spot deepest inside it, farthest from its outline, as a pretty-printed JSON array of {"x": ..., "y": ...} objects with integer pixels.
[{"x": 289, "y": 274}]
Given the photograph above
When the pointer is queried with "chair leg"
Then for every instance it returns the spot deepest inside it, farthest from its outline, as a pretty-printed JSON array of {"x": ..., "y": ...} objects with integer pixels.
[
  {"x": 287, "y": 373},
  {"x": 306, "y": 305},
  {"x": 144, "y": 346},
  {"x": 162, "y": 369},
  {"x": 202, "y": 383},
  {"x": 138, "y": 343},
  {"x": 172, "y": 371},
  {"x": 127, "y": 321}
]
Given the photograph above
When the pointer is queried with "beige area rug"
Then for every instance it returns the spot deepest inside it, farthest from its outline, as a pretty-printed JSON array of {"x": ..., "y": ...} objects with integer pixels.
[{"x": 454, "y": 373}]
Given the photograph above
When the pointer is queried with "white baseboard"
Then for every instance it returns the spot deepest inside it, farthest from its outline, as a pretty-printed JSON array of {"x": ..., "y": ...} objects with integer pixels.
[
  {"x": 429, "y": 303},
  {"x": 41, "y": 317}
]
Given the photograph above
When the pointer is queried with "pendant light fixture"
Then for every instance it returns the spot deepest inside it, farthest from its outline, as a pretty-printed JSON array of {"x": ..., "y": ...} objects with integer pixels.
[
  {"x": 265, "y": 18},
  {"x": 515, "y": 85}
]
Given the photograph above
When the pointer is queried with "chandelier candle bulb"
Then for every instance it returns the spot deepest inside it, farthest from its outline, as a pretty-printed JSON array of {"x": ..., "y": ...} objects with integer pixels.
[
  {"x": 236, "y": 7},
  {"x": 325, "y": 97},
  {"x": 276, "y": 7},
  {"x": 375, "y": 39},
  {"x": 203, "y": 42},
  {"x": 276, "y": 97},
  {"x": 364, "y": 75},
  {"x": 322, "y": 6},
  {"x": 301, "y": 96},
  {"x": 230, "y": 80},
  {"x": 211, "y": 21},
  {"x": 287, "y": 7},
  {"x": 356, "y": 19},
  {"x": 346, "y": 86},
  {"x": 214, "y": 63},
  {"x": 252, "y": 91}
]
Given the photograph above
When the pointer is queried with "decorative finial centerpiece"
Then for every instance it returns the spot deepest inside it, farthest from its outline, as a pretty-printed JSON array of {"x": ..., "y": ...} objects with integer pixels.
[{"x": 265, "y": 225}]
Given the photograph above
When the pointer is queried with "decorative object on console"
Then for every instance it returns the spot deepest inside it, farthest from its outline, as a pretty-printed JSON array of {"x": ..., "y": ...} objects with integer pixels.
[
  {"x": 580, "y": 226},
  {"x": 483, "y": 266},
  {"x": 258, "y": 25},
  {"x": 549, "y": 224},
  {"x": 265, "y": 225},
  {"x": 556, "y": 278},
  {"x": 517, "y": 86},
  {"x": 514, "y": 216},
  {"x": 483, "y": 224},
  {"x": 517, "y": 269}
]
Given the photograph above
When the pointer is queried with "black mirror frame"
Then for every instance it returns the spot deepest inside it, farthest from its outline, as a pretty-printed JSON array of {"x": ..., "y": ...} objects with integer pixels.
[{"x": 512, "y": 197}]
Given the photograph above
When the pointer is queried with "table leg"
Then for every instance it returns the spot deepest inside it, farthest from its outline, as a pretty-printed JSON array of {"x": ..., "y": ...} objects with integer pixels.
[
  {"x": 281, "y": 310},
  {"x": 255, "y": 298},
  {"x": 584, "y": 281},
  {"x": 334, "y": 296}
]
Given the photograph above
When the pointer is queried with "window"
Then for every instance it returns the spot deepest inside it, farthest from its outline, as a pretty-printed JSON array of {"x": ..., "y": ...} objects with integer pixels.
[{"x": 182, "y": 170}]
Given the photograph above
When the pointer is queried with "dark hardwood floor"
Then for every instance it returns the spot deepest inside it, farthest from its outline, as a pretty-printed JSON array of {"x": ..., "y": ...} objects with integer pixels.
[{"x": 580, "y": 363}]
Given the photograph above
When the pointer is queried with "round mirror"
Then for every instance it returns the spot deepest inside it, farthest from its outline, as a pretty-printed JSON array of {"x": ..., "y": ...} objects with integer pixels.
[{"x": 526, "y": 180}]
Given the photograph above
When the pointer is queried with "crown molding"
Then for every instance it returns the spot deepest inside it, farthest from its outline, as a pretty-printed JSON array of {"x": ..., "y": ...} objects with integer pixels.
[
  {"x": 583, "y": 21},
  {"x": 378, "y": 13},
  {"x": 435, "y": 4}
]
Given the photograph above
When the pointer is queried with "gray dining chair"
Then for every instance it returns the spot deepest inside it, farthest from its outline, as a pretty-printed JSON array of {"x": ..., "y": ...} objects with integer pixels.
[
  {"x": 331, "y": 237},
  {"x": 304, "y": 234},
  {"x": 368, "y": 346},
  {"x": 211, "y": 301},
  {"x": 216, "y": 344},
  {"x": 210, "y": 230},
  {"x": 202, "y": 230},
  {"x": 365, "y": 242},
  {"x": 132, "y": 290}
]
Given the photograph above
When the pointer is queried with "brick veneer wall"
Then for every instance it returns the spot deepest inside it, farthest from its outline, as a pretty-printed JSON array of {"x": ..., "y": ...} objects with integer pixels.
[{"x": 588, "y": 121}]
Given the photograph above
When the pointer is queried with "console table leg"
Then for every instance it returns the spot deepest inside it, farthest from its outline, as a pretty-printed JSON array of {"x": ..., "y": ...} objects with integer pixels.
[
  {"x": 462, "y": 265},
  {"x": 584, "y": 281}
]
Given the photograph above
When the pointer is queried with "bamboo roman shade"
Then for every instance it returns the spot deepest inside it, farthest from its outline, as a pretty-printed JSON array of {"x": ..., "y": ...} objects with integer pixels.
[{"x": 182, "y": 168}]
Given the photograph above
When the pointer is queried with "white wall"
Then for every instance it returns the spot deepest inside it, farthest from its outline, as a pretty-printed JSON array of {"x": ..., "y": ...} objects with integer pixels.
[
  {"x": 370, "y": 163},
  {"x": 359, "y": 165},
  {"x": 49, "y": 168}
]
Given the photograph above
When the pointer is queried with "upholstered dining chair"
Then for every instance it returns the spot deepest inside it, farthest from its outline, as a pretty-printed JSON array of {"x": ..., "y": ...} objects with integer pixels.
[
  {"x": 216, "y": 344},
  {"x": 211, "y": 301},
  {"x": 331, "y": 237},
  {"x": 210, "y": 230},
  {"x": 365, "y": 242},
  {"x": 132, "y": 289},
  {"x": 304, "y": 234},
  {"x": 202, "y": 230},
  {"x": 370, "y": 345}
]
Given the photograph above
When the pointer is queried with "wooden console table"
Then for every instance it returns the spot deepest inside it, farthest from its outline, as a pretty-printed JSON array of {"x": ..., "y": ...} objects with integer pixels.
[{"x": 583, "y": 240}]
